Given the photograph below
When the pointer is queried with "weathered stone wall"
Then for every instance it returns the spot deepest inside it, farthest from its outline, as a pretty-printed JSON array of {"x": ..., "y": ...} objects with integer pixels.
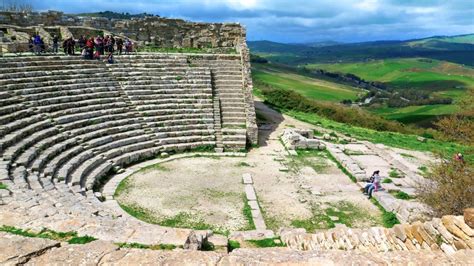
[
  {"x": 159, "y": 31},
  {"x": 252, "y": 128}
]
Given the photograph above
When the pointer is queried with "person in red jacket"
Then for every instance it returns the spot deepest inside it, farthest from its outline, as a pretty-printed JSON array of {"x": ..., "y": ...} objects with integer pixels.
[{"x": 90, "y": 47}]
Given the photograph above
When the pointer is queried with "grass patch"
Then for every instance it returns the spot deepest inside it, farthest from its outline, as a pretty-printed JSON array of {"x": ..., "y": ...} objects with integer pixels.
[
  {"x": 247, "y": 212},
  {"x": 407, "y": 155},
  {"x": 389, "y": 219},
  {"x": 154, "y": 167},
  {"x": 70, "y": 237},
  {"x": 243, "y": 164},
  {"x": 181, "y": 220},
  {"x": 81, "y": 240},
  {"x": 232, "y": 244},
  {"x": 308, "y": 158},
  {"x": 423, "y": 171},
  {"x": 394, "y": 173},
  {"x": 392, "y": 139},
  {"x": 342, "y": 212},
  {"x": 401, "y": 195},
  {"x": 3, "y": 186},
  {"x": 143, "y": 246},
  {"x": 387, "y": 181},
  {"x": 267, "y": 243}
]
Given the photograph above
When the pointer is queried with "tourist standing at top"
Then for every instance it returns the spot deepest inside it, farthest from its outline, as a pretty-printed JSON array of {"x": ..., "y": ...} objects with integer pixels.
[
  {"x": 55, "y": 44},
  {"x": 81, "y": 42},
  {"x": 119, "y": 45},
  {"x": 37, "y": 43}
]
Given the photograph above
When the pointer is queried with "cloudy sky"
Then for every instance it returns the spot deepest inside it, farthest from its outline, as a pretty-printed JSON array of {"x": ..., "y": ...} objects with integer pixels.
[{"x": 303, "y": 21}]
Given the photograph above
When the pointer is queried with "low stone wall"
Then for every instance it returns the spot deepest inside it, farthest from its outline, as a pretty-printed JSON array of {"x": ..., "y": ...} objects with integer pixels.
[{"x": 449, "y": 234}]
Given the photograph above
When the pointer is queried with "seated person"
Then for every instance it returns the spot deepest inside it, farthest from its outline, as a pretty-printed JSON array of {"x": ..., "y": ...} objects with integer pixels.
[{"x": 373, "y": 184}]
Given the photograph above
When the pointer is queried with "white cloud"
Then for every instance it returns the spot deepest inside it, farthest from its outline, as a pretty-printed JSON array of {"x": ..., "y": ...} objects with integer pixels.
[
  {"x": 241, "y": 4},
  {"x": 368, "y": 5}
]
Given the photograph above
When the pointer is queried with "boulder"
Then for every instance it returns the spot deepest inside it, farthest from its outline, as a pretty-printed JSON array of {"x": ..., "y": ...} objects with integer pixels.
[{"x": 469, "y": 217}]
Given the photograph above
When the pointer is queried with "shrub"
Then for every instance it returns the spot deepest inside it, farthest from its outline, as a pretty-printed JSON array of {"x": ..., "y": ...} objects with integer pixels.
[
  {"x": 232, "y": 244},
  {"x": 387, "y": 180},
  {"x": 290, "y": 100},
  {"x": 450, "y": 188}
]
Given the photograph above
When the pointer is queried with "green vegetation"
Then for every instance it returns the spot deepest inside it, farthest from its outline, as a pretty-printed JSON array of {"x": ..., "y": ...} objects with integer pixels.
[
  {"x": 401, "y": 195},
  {"x": 154, "y": 167},
  {"x": 394, "y": 139},
  {"x": 457, "y": 49},
  {"x": 308, "y": 87},
  {"x": 389, "y": 219},
  {"x": 232, "y": 244},
  {"x": 394, "y": 173},
  {"x": 342, "y": 212},
  {"x": 267, "y": 243},
  {"x": 70, "y": 237},
  {"x": 308, "y": 158},
  {"x": 387, "y": 181},
  {"x": 3, "y": 186},
  {"x": 342, "y": 168},
  {"x": 143, "y": 246},
  {"x": 247, "y": 211},
  {"x": 243, "y": 164}
]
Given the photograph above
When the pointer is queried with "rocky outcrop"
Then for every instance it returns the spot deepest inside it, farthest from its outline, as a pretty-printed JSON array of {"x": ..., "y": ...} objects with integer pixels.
[
  {"x": 162, "y": 32},
  {"x": 300, "y": 139}
]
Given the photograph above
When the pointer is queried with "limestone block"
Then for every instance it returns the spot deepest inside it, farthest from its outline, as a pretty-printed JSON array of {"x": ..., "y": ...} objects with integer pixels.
[
  {"x": 469, "y": 217},
  {"x": 247, "y": 178},
  {"x": 250, "y": 193}
]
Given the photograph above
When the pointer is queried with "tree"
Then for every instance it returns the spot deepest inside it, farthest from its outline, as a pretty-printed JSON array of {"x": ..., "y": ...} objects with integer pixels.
[
  {"x": 460, "y": 126},
  {"x": 450, "y": 187}
]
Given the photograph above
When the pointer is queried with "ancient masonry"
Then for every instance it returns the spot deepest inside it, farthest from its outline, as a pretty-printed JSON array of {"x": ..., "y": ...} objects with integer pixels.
[{"x": 66, "y": 123}]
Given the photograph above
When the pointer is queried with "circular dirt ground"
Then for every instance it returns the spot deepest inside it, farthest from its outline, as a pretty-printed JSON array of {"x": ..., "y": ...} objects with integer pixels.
[{"x": 207, "y": 192}]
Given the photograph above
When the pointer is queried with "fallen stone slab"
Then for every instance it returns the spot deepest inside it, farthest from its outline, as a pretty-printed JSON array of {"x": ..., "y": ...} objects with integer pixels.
[
  {"x": 253, "y": 205},
  {"x": 247, "y": 178},
  {"x": 87, "y": 254},
  {"x": 15, "y": 249},
  {"x": 252, "y": 235},
  {"x": 250, "y": 193}
]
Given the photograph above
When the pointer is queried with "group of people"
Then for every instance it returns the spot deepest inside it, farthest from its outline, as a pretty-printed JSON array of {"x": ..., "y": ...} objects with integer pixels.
[{"x": 91, "y": 48}]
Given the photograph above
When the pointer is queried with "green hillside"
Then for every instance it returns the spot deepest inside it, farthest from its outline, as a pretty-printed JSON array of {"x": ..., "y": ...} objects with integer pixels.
[
  {"x": 309, "y": 87},
  {"x": 409, "y": 73},
  {"x": 456, "y": 49}
]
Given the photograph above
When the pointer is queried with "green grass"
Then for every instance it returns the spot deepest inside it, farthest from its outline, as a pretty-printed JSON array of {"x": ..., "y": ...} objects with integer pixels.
[
  {"x": 406, "y": 73},
  {"x": 414, "y": 114},
  {"x": 143, "y": 246},
  {"x": 309, "y": 87},
  {"x": 232, "y": 244},
  {"x": 308, "y": 158},
  {"x": 247, "y": 212},
  {"x": 267, "y": 243},
  {"x": 387, "y": 181},
  {"x": 394, "y": 173},
  {"x": 393, "y": 139},
  {"x": 3, "y": 186},
  {"x": 342, "y": 168},
  {"x": 70, "y": 237},
  {"x": 243, "y": 164},
  {"x": 401, "y": 195},
  {"x": 342, "y": 212},
  {"x": 389, "y": 219},
  {"x": 441, "y": 78}
]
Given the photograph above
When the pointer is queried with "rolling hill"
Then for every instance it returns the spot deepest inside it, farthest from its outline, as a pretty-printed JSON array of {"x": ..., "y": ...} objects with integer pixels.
[{"x": 456, "y": 49}]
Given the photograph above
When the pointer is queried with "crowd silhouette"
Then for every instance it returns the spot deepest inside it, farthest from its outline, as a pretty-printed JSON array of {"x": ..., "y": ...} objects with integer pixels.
[{"x": 88, "y": 48}]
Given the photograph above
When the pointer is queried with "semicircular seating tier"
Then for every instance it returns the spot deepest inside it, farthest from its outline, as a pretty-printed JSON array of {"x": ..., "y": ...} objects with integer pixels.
[{"x": 73, "y": 120}]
